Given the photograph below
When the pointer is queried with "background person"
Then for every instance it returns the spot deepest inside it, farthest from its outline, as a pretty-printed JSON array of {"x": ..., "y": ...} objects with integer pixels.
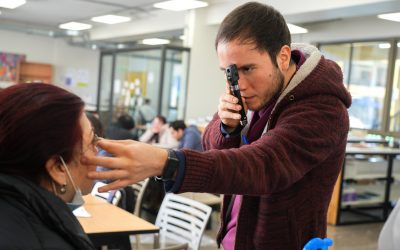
[
  {"x": 278, "y": 187},
  {"x": 159, "y": 134},
  {"x": 145, "y": 113},
  {"x": 188, "y": 137},
  {"x": 96, "y": 123},
  {"x": 123, "y": 129},
  {"x": 43, "y": 134}
]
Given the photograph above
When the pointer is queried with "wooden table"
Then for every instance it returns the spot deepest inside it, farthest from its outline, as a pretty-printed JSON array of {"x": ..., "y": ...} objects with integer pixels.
[{"x": 110, "y": 225}]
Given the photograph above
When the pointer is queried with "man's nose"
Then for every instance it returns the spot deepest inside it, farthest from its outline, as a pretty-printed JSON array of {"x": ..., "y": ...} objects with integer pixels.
[{"x": 243, "y": 83}]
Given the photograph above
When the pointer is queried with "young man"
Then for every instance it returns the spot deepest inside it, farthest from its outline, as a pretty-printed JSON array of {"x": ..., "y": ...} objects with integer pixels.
[
  {"x": 188, "y": 137},
  {"x": 278, "y": 187}
]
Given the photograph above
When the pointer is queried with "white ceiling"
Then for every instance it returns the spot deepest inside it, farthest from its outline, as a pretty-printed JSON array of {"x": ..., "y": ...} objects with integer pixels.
[
  {"x": 51, "y": 13},
  {"x": 44, "y": 16}
]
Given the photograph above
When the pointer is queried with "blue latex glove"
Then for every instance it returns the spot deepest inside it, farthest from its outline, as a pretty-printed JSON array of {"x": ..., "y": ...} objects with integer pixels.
[{"x": 318, "y": 243}]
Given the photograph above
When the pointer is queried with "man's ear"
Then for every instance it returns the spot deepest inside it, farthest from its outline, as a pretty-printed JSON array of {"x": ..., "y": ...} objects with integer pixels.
[
  {"x": 283, "y": 58},
  {"x": 56, "y": 170}
]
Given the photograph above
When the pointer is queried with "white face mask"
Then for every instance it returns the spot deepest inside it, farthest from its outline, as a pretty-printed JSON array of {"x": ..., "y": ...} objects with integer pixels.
[{"x": 77, "y": 201}]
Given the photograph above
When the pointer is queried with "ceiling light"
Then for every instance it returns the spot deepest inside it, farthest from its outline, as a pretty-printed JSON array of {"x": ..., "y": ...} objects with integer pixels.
[
  {"x": 155, "y": 41},
  {"x": 179, "y": 5},
  {"x": 391, "y": 16},
  {"x": 72, "y": 32},
  {"x": 75, "y": 26},
  {"x": 111, "y": 19},
  {"x": 294, "y": 29},
  {"x": 384, "y": 45},
  {"x": 11, "y": 4}
]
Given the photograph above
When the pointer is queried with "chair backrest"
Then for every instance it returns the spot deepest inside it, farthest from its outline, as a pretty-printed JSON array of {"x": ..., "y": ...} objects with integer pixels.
[
  {"x": 182, "y": 220},
  {"x": 139, "y": 189}
]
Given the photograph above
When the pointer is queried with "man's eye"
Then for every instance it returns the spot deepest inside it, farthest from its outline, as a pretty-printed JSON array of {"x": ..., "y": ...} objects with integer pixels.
[{"x": 247, "y": 69}]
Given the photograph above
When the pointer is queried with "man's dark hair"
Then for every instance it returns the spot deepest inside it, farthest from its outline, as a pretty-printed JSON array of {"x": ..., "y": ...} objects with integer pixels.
[
  {"x": 126, "y": 121},
  {"x": 178, "y": 124},
  {"x": 256, "y": 23}
]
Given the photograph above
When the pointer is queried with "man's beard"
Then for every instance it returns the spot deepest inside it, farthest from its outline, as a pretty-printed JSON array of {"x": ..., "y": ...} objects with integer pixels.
[{"x": 280, "y": 85}]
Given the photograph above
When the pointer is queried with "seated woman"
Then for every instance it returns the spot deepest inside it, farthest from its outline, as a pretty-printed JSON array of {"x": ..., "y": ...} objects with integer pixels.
[
  {"x": 43, "y": 134},
  {"x": 159, "y": 134}
]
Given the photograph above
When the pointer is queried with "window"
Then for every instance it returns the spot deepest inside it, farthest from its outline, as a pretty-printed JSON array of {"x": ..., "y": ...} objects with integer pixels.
[{"x": 365, "y": 66}]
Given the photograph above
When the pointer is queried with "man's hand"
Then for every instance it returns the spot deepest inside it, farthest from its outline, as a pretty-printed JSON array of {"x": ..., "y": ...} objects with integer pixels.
[
  {"x": 228, "y": 110},
  {"x": 132, "y": 162}
]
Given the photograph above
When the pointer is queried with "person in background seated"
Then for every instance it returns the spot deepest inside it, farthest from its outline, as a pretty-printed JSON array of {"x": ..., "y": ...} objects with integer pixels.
[
  {"x": 122, "y": 129},
  {"x": 44, "y": 132},
  {"x": 188, "y": 137},
  {"x": 99, "y": 131},
  {"x": 96, "y": 123},
  {"x": 159, "y": 134}
]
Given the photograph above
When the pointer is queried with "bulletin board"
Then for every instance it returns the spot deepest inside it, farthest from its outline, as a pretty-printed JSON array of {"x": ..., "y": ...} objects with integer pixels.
[{"x": 8, "y": 66}]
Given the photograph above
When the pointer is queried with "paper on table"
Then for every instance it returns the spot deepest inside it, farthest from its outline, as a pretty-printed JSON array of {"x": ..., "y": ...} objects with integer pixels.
[{"x": 81, "y": 212}]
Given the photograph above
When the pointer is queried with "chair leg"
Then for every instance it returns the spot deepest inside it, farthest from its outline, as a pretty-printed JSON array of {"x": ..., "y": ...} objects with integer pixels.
[
  {"x": 137, "y": 241},
  {"x": 156, "y": 243}
]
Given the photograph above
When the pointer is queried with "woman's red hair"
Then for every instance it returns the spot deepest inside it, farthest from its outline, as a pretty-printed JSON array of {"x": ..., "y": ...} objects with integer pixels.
[{"x": 37, "y": 122}]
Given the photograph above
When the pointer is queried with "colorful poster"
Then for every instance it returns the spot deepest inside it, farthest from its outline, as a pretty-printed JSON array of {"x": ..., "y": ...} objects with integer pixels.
[{"x": 8, "y": 66}]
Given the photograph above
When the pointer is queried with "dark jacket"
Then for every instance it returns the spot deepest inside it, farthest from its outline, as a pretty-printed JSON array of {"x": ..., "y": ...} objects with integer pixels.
[
  {"x": 191, "y": 139},
  {"x": 116, "y": 132},
  {"x": 33, "y": 218},
  {"x": 287, "y": 176}
]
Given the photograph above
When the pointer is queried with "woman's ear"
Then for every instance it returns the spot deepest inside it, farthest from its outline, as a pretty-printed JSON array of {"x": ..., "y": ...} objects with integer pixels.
[
  {"x": 283, "y": 58},
  {"x": 56, "y": 171}
]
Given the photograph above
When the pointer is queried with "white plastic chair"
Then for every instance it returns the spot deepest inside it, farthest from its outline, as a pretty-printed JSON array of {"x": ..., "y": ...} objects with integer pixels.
[
  {"x": 139, "y": 189},
  {"x": 182, "y": 220}
]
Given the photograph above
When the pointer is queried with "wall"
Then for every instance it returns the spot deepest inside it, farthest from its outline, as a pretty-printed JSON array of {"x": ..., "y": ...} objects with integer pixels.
[
  {"x": 206, "y": 81},
  {"x": 65, "y": 59}
]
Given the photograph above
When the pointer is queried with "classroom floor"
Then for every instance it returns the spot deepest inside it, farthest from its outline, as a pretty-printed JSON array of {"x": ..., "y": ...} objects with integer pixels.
[{"x": 349, "y": 237}]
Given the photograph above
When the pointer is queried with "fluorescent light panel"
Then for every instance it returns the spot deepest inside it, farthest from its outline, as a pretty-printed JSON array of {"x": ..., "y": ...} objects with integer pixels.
[
  {"x": 11, "y": 4},
  {"x": 294, "y": 29},
  {"x": 384, "y": 45},
  {"x": 111, "y": 19},
  {"x": 75, "y": 26},
  {"x": 391, "y": 16},
  {"x": 155, "y": 41},
  {"x": 179, "y": 5}
]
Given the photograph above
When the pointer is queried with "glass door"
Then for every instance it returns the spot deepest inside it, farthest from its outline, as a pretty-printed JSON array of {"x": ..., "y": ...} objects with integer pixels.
[
  {"x": 174, "y": 84},
  {"x": 137, "y": 78},
  {"x": 143, "y": 83},
  {"x": 104, "y": 91}
]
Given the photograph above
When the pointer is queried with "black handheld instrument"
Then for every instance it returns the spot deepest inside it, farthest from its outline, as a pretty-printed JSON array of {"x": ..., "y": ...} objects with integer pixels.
[{"x": 233, "y": 76}]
